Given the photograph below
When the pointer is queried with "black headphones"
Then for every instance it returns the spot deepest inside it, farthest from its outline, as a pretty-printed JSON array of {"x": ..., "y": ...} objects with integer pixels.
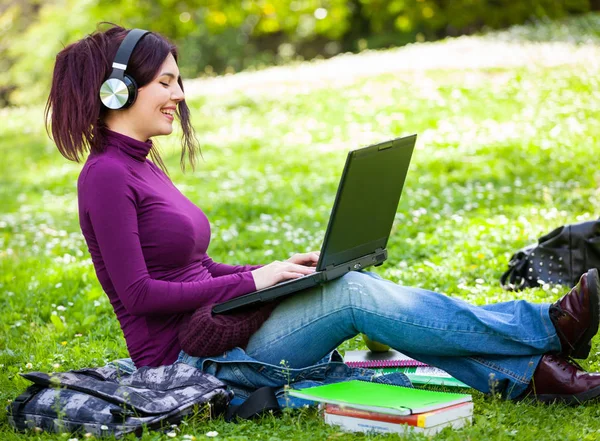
[{"x": 119, "y": 91}]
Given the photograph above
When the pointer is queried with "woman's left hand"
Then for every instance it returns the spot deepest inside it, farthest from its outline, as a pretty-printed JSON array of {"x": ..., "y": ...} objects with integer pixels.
[{"x": 306, "y": 259}]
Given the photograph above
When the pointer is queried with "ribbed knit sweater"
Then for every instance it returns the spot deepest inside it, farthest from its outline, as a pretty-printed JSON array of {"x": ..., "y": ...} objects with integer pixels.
[{"x": 148, "y": 244}]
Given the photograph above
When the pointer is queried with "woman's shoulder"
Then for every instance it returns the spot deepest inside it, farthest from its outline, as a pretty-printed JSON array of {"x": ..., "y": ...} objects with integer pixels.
[{"x": 103, "y": 168}]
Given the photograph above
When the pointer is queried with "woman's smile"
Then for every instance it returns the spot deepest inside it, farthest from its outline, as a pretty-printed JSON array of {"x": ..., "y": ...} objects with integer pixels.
[{"x": 168, "y": 112}]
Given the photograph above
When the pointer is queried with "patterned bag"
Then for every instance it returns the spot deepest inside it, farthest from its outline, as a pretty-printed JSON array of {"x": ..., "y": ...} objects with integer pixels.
[
  {"x": 109, "y": 401},
  {"x": 560, "y": 257}
]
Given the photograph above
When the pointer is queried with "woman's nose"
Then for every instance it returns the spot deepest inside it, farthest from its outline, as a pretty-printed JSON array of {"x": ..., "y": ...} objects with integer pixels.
[{"x": 178, "y": 94}]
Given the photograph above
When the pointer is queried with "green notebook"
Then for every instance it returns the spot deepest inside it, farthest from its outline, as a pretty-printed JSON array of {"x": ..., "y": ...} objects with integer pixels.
[{"x": 383, "y": 398}]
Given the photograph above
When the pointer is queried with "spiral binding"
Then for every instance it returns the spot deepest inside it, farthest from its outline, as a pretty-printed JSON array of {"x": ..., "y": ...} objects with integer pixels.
[{"x": 385, "y": 363}]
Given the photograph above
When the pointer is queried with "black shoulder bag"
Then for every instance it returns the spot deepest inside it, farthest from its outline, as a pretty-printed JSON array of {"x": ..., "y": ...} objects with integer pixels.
[{"x": 560, "y": 257}]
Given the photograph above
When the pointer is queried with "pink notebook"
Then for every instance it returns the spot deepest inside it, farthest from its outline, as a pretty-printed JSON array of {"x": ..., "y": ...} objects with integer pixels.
[{"x": 391, "y": 358}]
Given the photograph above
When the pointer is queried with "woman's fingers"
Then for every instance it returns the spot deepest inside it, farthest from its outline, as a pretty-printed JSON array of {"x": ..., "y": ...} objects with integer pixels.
[
  {"x": 287, "y": 275},
  {"x": 298, "y": 268},
  {"x": 294, "y": 271},
  {"x": 306, "y": 259},
  {"x": 277, "y": 271}
]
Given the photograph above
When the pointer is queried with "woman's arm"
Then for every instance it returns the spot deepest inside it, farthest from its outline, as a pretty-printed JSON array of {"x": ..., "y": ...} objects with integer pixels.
[
  {"x": 221, "y": 269},
  {"x": 217, "y": 269},
  {"x": 110, "y": 204}
]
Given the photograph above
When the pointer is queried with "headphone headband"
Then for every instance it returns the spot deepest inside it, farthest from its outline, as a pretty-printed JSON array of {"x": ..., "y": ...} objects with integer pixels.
[
  {"x": 124, "y": 52},
  {"x": 119, "y": 90}
]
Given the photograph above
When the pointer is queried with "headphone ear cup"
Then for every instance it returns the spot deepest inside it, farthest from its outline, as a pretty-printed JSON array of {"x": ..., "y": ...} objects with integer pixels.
[{"x": 132, "y": 88}]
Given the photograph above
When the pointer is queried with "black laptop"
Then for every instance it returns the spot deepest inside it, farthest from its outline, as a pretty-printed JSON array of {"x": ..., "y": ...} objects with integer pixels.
[{"x": 360, "y": 222}]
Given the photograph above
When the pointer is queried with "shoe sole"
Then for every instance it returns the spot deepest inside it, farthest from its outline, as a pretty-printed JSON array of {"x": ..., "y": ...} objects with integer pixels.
[
  {"x": 568, "y": 399},
  {"x": 593, "y": 284}
]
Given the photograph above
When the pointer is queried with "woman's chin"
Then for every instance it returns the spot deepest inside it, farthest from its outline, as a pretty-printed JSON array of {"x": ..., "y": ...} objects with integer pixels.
[{"x": 166, "y": 130}]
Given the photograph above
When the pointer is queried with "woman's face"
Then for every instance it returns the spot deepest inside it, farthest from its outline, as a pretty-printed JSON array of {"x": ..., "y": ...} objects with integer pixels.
[{"x": 153, "y": 111}]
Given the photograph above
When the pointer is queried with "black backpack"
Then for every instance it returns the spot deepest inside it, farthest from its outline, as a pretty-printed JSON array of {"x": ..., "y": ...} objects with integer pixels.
[
  {"x": 108, "y": 401},
  {"x": 560, "y": 257}
]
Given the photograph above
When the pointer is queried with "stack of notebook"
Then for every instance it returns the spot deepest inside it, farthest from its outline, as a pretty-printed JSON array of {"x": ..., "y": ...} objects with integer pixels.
[
  {"x": 394, "y": 361},
  {"x": 361, "y": 406}
]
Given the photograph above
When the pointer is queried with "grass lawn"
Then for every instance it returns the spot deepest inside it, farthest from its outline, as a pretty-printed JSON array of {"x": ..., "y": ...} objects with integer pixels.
[{"x": 504, "y": 155}]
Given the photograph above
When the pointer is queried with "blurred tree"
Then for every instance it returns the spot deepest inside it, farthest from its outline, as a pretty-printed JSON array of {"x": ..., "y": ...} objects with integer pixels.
[
  {"x": 217, "y": 36},
  {"x": 15, "y": 15}
]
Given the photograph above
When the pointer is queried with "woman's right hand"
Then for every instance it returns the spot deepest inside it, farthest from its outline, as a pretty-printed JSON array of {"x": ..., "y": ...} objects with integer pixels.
[{"x": 277, "y": 271}]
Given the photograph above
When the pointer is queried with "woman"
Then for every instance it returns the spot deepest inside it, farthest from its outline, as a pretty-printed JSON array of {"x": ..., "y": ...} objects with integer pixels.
[{"x": 149, "y": 244}]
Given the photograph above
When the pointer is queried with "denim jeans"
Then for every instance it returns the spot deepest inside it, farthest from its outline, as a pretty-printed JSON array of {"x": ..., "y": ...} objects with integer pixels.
[{"x": 492, "y": 348}]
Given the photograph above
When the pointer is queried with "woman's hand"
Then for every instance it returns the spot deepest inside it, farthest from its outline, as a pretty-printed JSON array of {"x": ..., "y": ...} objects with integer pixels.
[
  {"x": 277, "y": 271},
  {"x": 306, "y": 259}
]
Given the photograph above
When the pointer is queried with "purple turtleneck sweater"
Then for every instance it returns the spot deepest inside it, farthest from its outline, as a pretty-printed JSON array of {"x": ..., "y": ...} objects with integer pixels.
[{"x": 148, "y": 244}]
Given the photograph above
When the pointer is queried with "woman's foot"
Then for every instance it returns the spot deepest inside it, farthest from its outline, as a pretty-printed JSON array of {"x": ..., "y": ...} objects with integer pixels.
[
  {"x": 575, "y": 316},
  {"x": 558, "y": 379}
]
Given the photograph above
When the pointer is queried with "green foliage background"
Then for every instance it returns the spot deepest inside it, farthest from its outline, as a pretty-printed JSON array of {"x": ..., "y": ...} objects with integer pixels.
[
  {"x": 219, "y": 36},
  {"x": 504, "y": 155}
]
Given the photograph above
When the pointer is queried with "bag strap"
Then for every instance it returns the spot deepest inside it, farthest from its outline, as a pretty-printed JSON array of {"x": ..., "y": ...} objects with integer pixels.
[
  {"x": 508, "y": 279},
  {"x": 513, "y": 279},
  {"x": 261, "y": 400},
  {"x": 18, "y": 403}
]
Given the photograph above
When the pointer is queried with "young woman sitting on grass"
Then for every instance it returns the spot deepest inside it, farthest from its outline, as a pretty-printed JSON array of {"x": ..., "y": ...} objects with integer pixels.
[{"x": 149, "y": 246}]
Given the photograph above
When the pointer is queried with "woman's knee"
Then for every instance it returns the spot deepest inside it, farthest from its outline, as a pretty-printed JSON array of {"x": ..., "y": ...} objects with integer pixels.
[
  {"x": 364, "y": 279},
  {"x": 370, "y": 291},
  {"x": 352, "y": 280},
  {"x": 352, "y": 287}
]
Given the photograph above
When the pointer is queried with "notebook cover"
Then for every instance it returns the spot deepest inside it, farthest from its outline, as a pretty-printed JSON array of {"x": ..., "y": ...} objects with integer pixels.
[
  {"x": 377, "y": 397},
  {"x": 429, "y": 375},
  {"x": 427, "y": 419},
  {"x": 351, "y": 424},
  {"x": 425, "y": 375},
  {"x": 368, "y": 359}
]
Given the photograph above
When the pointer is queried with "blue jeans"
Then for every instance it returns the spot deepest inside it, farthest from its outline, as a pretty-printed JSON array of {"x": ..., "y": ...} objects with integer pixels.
[{"x": 492, "y": 348}]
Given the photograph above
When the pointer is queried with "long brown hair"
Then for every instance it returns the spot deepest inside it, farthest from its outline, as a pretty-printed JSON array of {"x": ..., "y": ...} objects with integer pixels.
[{"x": 74, "y": 113}]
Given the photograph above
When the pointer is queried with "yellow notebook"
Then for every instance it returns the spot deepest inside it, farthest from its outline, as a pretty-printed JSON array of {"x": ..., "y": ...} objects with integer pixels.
[{"x": 383, "y": 398}]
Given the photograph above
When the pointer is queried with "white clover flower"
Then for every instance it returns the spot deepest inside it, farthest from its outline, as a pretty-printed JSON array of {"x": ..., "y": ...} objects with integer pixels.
[
  {"x": 171, "y": 434},
  {"x": 212, "y": 434}
]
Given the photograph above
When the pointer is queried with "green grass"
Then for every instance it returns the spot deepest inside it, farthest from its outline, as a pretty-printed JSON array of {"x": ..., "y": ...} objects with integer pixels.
[{"x": 503, "y": 156}]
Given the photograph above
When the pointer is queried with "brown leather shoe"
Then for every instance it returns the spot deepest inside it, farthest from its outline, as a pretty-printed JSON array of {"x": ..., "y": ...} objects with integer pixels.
[
  {"x": 575, "y": 316},
  {"x": 558, "y": 379}
]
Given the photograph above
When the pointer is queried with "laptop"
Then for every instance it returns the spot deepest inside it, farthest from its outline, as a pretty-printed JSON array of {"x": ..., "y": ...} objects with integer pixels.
[{"x": 360, "y": 222}]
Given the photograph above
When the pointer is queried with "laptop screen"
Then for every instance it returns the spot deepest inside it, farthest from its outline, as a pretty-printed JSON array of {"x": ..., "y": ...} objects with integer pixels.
[{"x": 366, "y": 201}]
